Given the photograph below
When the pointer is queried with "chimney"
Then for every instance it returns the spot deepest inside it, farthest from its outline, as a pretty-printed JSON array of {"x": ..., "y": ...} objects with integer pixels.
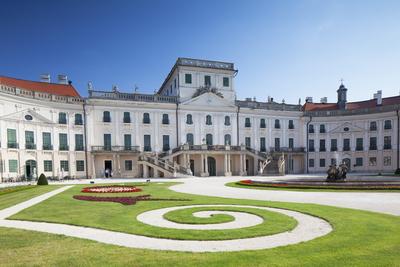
[
  {"x": 45, "y": 78},
  {"x": 62, "y": 79},
  {"x": 342, "y": 96},
  {"x": 324, "y": 100},
  {"x": 309, "y": 99},
  {"x": 378, "y": 97}
]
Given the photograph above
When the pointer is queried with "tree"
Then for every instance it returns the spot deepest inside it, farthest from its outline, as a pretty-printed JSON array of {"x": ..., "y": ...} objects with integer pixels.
[{"x": 42, "y": 180}]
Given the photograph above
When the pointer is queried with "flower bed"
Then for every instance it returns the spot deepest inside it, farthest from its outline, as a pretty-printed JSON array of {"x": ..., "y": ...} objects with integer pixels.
[
  {"x": 124, "y": 200},
  {"x": 111, "y": 189}
]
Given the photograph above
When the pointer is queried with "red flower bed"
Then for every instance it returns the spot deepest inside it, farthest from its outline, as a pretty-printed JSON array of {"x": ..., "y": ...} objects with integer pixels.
[
  {"x": 124, "y": 200},
  {"x": 246, "y": 182},
  {"x": 111, "y": 189}
]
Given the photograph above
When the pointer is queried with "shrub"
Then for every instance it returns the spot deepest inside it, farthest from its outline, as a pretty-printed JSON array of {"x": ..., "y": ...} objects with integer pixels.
[
  {"x": 42, "y": 180},
  {"x": 397, "y": 172}
]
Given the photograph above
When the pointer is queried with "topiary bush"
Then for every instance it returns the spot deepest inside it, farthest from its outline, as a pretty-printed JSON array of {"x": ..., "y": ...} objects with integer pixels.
[{"x": 42, "y": 180}]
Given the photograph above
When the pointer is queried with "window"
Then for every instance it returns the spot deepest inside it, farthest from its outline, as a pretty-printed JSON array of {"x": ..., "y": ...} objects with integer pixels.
[
  {"x": 46, "y": 141},
  {"x": 208, "y": 120},
  {"x": 28, "y": 117},
  {"x": 277, "y": 124},
  {"x": 128, "y": 165},
  {"x": 63, "y": 141},
  {"x": 311, "y": 145},
  {"x": 146, "y": 118},
  {"x": 127, "y": 142},
  {"x": 359, "y": 162},
  {"x": 263, "y": 124},
  {"x": 291, "y": 143},
  {"x": 387, "y": 161},
  {"x": 310, "y": 128},
  {"x": 387, "y": 125},
  {"x": 333, "y": 162},
  {"x": 333, "y": 144},
  {"x": 247, "y": 141},
  {"x": 127, "y": 117},
  {"x": 372, "y": 161},
  {"x": 12, "y": 138},
  {"x": 207, "y": 80},
  {"x": 62, "y": 118},
  {"x": 291, "y": 125},
  {"x": 48, "y": 165},
  {"x": 227, "y": 139},
  {"x": 64, "y": 166},
  {"x": 165, "y": 142},
  {"x": 277, "y": 144},
  {"x": 321, "y": 163},
  {"x": 387, "y": 142},
  {"x": 107, "y": 141},
  {"x": 263, "y": 147},
  {"x": 78, "y": 119},
  {"x": 188, "y": 78},
  {"x": 12, "y": 165},
  {"x": 247, "y": 123},
  {"x": 79, "y": 142},
  {"x": 29, "y": 140},
  {"x": 359, "y": 144},
  {"x": 209, "y": 139},
  {"x": 225, "y": 81},
  {"x": 372, "y": 143},
  {"x": 227, "y": 121},
  {"x": 189, "y": 119},
  {"x": 165, "y": 119},
  {"x": 311, "y": 163},
  {"x": 106, "y": 116},
  {"x": 189, "y": 139},
  {"x": 346, "y": 144},
  {"x": 322, "y": 128},
  {"x": 147, "y": 142},
  {"x": 322, "y": 147},
  {"x": 175, "y": 83},
  {"x": 372, "y": 126},
  {"x": 346, "y": 129},
  {"x": 80, "y": 165}
]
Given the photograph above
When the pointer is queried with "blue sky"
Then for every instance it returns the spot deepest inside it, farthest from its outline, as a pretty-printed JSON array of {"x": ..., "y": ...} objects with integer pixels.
[{"x": 285, "y": 49}]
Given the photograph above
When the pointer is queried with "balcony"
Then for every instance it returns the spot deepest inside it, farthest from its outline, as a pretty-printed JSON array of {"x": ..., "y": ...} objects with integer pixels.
[
  {"x": 12, "y": 145},
  {"x": 287, "y": 149},
  {"x": 47, "y": 147},
  {"x": 115, "y": 149},
  {"x": 30, "y": 146},
  {"x": 63, "y": 147}
]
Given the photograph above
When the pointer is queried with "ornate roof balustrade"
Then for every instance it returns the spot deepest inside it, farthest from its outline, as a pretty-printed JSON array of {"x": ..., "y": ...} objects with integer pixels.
[
  {"x": 344, "y": 112},
  {"x": 132, "y": 97}
]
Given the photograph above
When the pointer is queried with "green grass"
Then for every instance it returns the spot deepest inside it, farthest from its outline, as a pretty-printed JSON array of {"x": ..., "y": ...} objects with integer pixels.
[
  {"x": 14, "y": 195},
  {"x": 305, "y": 189},
  {"x": 359, "y": 238}
]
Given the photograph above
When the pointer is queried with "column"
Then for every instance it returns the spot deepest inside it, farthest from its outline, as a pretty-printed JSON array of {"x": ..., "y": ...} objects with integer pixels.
[
  {"x": 114, "y": 165},
  {"x": 226, "y": 165},
  {"x": 202, "y": 165},
  {"x": 206, "y": 165},
  {"x": 119, "y": 165},
  {"x": 244, "y": 165},
  {"x": 241, "y": 165},
  {"x": 93, "y": 168},
  {"x": 229, "y": 164},
  {"x": 145, "y": 171}
]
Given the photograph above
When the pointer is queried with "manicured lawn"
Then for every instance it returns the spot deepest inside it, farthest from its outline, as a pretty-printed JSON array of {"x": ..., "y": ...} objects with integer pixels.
[{"x": 359, "y": 238}]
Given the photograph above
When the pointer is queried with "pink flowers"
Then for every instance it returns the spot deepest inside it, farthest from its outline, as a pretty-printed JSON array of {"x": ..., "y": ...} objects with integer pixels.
[{"x": 111, "y": 189}]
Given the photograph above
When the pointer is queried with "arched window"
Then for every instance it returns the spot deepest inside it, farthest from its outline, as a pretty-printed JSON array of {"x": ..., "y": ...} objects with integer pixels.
[
  {"x": 209, "y": 139},
  {"x": 146, "y": 118},
  {"x": 189, "y": 139},
  {"x": 227, "y": 120},
  {"x": 189, "y": 119},
  {"x": 106, "y": 116},
  {"x": 165, "y": 119},
  {"x": 227, "y": 139},
  {"x": 208, "y": 120},
  {"x": 247, "y": 123},
  {"x": 263, "y": 124}
]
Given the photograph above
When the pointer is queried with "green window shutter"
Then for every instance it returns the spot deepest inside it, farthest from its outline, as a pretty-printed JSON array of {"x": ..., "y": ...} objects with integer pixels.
[{"x": 12, "y": 165}]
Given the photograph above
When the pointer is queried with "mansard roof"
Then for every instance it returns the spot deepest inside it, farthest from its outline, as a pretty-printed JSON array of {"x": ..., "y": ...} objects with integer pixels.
[{"x": 50, "y": 88}]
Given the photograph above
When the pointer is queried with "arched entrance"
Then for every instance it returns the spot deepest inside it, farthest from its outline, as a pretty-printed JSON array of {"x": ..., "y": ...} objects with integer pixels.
[
  {"x": 347, "y": 161},
  {"x": 30, "y": 169},
  {"x": 212, "y": 166}
]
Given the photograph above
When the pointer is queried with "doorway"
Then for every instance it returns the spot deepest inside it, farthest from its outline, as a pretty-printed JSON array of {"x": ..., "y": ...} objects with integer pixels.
[
  {"x": 30, "y": 169},
  {"x": 192, "y": 166},
  {"x": 212, "y": 167},
  {"x": 108, "y": 168}
]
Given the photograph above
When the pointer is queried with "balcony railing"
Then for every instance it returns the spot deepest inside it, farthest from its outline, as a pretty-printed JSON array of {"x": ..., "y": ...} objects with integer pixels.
[
  {"x": 79, "y": 148},
  {"x": 63, "y": 147},
  {"x": 115, "y": 149},
  {"x": 78, "y": 122},
  {"x": 346, "y": 148},
  {"x": 359, "y": 148},
  {"x": 30, "y": 146},
  {"x": 132, "y": 97},
  {"x": 287, "y": 149},
  {"x": 47, "y": 147},
  {"x": 373, "y": 147},
  {"x": 387, "y": 147},
  {"x": 147, "y": 148},
  {"x": 12, "y": 145}
]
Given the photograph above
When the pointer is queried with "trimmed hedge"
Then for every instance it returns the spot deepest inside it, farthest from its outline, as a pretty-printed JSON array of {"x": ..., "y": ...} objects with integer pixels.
[{"x": 42, "y": 180}]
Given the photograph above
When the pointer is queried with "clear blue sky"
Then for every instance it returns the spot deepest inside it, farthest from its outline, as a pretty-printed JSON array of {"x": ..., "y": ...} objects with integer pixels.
[{"x": 286, "y": 49}]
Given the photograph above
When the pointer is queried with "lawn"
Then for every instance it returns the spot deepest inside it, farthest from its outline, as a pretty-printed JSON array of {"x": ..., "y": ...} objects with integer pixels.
[{"x": 359, "y": 238}]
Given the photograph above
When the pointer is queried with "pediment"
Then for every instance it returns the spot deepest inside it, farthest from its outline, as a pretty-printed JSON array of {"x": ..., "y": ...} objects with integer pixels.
[
  {"x": 208, "y": 100},
  {"x": 347, "y": 127},
  {"x": 28, "y": 115}
]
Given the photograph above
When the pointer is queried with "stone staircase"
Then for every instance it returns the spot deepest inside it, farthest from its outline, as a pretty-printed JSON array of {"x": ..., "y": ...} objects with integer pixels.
[{"x": 166, "y": 167}]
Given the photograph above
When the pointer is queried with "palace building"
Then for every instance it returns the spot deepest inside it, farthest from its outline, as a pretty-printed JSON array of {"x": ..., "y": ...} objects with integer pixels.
[{"x": 193, "y": 125}]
